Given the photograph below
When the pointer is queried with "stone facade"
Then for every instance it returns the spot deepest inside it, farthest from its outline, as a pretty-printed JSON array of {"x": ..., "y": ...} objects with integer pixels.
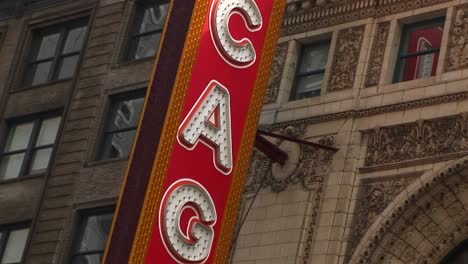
[{"x": 395, "y": 192}]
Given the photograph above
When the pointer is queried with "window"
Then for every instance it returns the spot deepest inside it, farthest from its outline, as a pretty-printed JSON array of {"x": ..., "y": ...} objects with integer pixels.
[
  {"x": 121, "y": 124},
  {"x": 147, "y": 28},
  {"x": 92, "y": 237},
  {"x": 311, "y": 71},
  {"x": 419, "y": 50},
  {"x": 28, "y": 147},
  {"x": 55, "y": 52},
  {"x": 12, "y": 243}
]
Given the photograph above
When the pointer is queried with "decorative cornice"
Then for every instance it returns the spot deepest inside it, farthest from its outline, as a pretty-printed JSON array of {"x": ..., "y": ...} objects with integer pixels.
[
  {"x": 374, "y": 111},
  {"x": 303, "y": 16}
]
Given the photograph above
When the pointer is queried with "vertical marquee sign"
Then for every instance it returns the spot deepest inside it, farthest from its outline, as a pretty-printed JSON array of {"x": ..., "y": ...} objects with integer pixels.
[{"x": 184, "y": 184}]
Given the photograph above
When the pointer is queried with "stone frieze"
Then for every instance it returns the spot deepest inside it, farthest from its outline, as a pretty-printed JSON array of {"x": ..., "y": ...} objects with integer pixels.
[{"x": 422, "y": 139}]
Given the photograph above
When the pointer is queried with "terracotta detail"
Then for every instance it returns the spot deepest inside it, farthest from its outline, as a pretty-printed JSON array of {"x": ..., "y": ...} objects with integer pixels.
[
  {"x": 311, "y": 173},
  {"x": 276, "y": 73},
  {"x": 346, "y": 59},
  {"x": 423, "y": 139},
  {"x": 377, "y": 54},
  {"x": 374, "y": 197},
  {"x": 458, "y": 43},
  {"x": 306, "y": 15},
  {"x": 424, "y": 223}
]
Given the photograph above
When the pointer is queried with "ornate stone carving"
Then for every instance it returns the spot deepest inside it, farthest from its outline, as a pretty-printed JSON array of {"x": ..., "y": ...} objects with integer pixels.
[
  {"x": 259, "y": 167},
  {"x": 310, "y": 170},
  {"x": 377, "y": 54},
  {"x": 423, "y": 139},
  {"x": 312, "y": 224},
  {"x": 426, "y": 222},
  {"x": 346, "y": 58},
  {"x": 374, "y": 197},
  {"x": 305, "y": 5},
  {"x": 306, "y": 15},
  {"x": 311, "y": 167},
  {"x": 276, "y": 73},
  {"x": 458, "y": 44}
]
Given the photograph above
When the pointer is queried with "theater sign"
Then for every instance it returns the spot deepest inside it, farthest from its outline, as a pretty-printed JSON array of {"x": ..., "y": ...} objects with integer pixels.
[{"x": 194, "y": 189}]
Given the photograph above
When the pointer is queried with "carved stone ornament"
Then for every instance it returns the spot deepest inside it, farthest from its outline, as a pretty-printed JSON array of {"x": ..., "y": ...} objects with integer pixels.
[
  {"x": 346, "y": 59},
  {"x": 308, "y": 15},
  {"x": 374, "y": 197},
  {"x": 458, "y": 44},
  {"x": 276, "y": 73},
  {"x": 377, "y": 54},
  {"x": 423, "y": 224},
  {"x": 305, "y": 165},
  {"x": 419, "y": 140}
]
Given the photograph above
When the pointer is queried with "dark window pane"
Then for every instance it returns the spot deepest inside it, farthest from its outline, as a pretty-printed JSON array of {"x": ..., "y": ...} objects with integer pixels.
[
  {"x": 32, "y": 144},
  {"x": 48, "y": 61},
  {"x": 47, "y": 46},
  {"x": 88, "y": 259},
  {"x": 153, "y": 18},
  {"x": 67, "y": 67},
  {"x": 146, "y": 46},
  {"x": 311, "y": 71},
  {"x": 75, "y": 40},
  {"x": 425, "y": 39},
  {"x": 314, "y": 57},
  {"x": 94, "y": 233},
  {"x": 125, "y": 114},
  {"x": 48, "y": 131},
  {"x": 40, "y": 161},
  {"x": 118, "y": 145},
  {"x": 15, "y": 244},
  {"x": 10, "y": 166},
  {"x": 419, "y": 51},
  {"x": 39, "y": 73},
  {"x": 18, "y": 137},
  {"x": 309, "y": 86},
  {"x": 422, "y": 66}
]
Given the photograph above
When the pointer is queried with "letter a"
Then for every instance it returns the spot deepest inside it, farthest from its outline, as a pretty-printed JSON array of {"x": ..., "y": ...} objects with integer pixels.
[{"x": 209, "y": 121}]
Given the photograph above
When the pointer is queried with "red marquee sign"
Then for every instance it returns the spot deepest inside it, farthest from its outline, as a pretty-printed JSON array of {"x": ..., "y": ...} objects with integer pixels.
[{"x": 193, "y": 195}]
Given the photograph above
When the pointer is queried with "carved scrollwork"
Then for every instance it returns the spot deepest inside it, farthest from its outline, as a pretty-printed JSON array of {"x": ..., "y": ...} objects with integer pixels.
[
  {"x": 308, "y": 15},
  {"x": 276, "y": 73},
  {"x": 346, "y": 59},
  {"x": 423, "y": 139},
  {"x": 311, "y": 168},
  {"x": 310, "y": 172},
  {"x": 458, "y": 44},
  {"x": 375, "y": 195},
  {"x": 377, "y": 54}
]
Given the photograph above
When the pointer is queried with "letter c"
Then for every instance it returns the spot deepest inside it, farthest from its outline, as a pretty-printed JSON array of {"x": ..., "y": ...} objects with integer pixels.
[{"x": 238, "y": 53}]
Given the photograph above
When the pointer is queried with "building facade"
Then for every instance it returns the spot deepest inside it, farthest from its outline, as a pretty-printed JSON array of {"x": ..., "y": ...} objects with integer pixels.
[{"x": 384, "y": 81}]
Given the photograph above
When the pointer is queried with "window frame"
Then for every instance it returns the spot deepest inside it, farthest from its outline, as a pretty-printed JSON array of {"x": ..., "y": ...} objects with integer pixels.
[
  {"x": 37, "y": 121},
  {"x": 36, "y": 33},
  {"x": 5, "y": 231},
  {"x": 403, "y": 55},
  {"x": 133, "y": 34},
  {"x": 82, "y": 215},
  {"x": 128, "y": 95},
  {"x": 298, "y": 75}
]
